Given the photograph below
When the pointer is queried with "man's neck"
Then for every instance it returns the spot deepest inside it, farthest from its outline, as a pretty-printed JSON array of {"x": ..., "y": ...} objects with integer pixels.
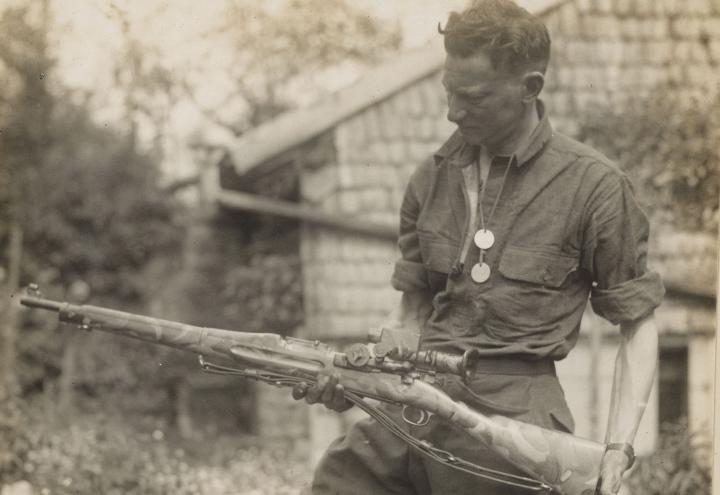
[{"x": 518, "y": 138}]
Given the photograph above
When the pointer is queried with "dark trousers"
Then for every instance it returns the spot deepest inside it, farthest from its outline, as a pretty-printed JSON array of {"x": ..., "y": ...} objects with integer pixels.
[{"x": 369, "y": 460}]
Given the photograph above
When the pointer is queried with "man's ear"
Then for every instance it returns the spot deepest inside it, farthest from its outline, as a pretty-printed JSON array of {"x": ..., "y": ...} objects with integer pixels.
[{"x": 533, "y": 83}]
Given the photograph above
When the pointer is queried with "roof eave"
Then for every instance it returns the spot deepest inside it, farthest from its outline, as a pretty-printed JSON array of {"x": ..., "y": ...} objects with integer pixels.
[{"x": 296, "y": 127}]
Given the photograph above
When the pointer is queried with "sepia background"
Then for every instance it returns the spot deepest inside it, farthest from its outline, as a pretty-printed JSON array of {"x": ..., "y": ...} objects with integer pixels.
[{"x": 240, "y": 164}]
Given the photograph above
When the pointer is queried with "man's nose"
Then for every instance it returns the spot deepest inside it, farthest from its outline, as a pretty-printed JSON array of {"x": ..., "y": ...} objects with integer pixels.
[{"x": 455, "y": 112}]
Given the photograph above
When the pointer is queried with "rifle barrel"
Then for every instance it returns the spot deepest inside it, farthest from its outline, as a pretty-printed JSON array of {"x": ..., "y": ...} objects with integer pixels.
[{"x": 39, "y": 302}]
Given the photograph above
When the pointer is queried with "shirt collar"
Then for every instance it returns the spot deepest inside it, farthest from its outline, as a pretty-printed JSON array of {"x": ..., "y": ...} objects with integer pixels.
[{"x": 461, "y": 154}]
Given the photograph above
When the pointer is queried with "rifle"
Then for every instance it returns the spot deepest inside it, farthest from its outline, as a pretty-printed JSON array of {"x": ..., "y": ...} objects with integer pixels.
[{"x": 381, "y": 370}]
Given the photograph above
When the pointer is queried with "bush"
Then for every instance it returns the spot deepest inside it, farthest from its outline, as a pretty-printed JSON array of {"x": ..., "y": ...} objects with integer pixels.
[
  {"x": 669, "y": 147},
  {"x": 679, "y": 466},
  {"x": 102, "y": 455},
  {"x": 266, "y": 293},
  {"x": 13, "y": 443}
]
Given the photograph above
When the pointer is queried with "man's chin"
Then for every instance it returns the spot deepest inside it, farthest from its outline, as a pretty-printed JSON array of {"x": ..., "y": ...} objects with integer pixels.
[{"x": 472, "y": 136}]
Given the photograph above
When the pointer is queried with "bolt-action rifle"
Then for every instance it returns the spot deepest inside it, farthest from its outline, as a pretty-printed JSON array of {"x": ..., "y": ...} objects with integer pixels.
[{"x": 381, "y": 370}]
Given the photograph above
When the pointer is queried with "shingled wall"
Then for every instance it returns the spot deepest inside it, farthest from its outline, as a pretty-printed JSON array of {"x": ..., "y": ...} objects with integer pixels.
[
  {"x": 347, "y": 278},
  {"x": 604, "y": 51}
]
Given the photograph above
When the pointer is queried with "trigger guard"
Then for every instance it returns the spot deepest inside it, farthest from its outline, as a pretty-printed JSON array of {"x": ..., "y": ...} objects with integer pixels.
[{"x": 424, "y": 416}]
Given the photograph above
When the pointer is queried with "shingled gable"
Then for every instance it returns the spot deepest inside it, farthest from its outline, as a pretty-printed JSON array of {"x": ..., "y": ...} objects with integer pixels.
[{"x": 294, "y": 128}]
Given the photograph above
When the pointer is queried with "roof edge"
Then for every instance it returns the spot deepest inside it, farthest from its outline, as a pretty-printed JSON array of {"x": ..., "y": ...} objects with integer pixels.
[{"x": 298, "y": 126}]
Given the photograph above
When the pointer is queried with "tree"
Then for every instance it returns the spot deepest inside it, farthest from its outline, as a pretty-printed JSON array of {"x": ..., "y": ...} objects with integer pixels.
[
  {"x": 88, "y": 200},
  {"x": 282, "y": 49},
  {"x": 24, "y": 138},
  {"x": 92, "y": 212},
  {"x": 148, "y": 87},
  {"x": 669, "y": 147}
]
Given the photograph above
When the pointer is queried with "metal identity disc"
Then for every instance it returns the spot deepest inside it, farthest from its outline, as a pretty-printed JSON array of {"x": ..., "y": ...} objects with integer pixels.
[
  {"x": 480, "y": 272},
  {"x": 484, "y": 239}
]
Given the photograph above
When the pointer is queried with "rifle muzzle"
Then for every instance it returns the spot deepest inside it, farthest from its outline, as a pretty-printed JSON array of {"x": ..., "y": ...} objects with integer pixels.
[{"x": 41, "y": 303}]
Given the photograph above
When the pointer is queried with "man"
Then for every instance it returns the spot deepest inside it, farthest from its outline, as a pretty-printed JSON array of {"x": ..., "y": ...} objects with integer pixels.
[{"x": 504, "y": 234}]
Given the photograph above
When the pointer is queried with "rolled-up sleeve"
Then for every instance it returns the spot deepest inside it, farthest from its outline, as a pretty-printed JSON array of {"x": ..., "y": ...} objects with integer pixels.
[
  {"x": 410, "y": 273},
  {"x": 615, "y": 252}
]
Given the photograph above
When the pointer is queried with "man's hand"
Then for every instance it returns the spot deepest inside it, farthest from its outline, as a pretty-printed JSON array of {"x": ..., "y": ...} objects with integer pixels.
[
  {"x": 327, "y": 390},
  {"x": 614, "y": 464}
]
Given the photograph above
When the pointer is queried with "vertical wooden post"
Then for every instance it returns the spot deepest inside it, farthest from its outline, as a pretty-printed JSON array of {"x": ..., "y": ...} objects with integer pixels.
[
  {"x": 716, "y": 415},
  {"x": 183, "y": 413},
  {"x": 8, "y": 325},
  {"x": 595, "y": 357},
  {"x": 66, "y": 385}
]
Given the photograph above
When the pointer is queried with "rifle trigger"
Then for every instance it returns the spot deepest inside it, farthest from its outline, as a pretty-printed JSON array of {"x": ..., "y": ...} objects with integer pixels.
[{"x": 423, "y": 416}]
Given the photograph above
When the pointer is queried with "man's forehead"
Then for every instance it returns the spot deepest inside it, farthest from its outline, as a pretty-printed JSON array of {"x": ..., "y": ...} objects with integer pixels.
[
  {"x": 473, "y": 72},
  {"x": 461, "y": 85},
  {"x": 477, "y": 62},
  {"x": 467, "y": 73}
]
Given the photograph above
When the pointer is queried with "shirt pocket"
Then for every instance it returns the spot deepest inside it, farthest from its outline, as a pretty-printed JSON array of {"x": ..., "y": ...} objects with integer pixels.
[
  {"x": 537, "y": 267},
  {"x": 438, "y": 255},
  {"x": 533, "y": 296}
]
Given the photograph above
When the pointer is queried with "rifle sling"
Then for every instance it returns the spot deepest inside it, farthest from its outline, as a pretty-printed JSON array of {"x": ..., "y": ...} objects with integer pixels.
[{"x": 442, "y": 456}]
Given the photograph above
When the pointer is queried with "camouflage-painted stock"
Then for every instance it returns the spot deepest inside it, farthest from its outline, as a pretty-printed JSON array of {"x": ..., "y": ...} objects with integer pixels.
[{"x": 567, "y": 463}]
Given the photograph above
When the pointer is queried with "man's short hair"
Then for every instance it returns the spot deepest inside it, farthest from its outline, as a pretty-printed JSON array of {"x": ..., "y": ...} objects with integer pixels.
[{"x": 514, "y": 39}]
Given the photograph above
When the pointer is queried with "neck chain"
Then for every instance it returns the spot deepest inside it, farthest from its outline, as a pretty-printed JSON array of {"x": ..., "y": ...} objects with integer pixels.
[{"x": 484, "y": 238}]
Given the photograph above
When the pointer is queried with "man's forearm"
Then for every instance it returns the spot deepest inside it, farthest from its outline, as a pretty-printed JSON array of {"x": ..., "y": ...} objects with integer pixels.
[{"x": 635, "y": 368}]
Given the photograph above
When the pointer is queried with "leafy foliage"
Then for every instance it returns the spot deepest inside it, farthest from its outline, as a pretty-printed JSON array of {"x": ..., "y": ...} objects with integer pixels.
[
  {"x": 75, "y": 458},
  {"x": 98, "y": 213},
  {"x": 88, "y": 200},
  {"x": 94, "y": 216},
  {"x": 13, "y": 425},
  {"x": 679, "y": 466},
  {"x": 25, "y": 109},
  {"x": 269, "y": 289},
  {"x": 279, "y": 48},
  {"x": 247, "y": 275},
  {"x": 669, "y": 147}
]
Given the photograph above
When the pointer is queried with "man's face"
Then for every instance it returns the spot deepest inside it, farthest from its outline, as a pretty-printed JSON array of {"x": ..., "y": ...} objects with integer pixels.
[{"x": 485, "y": 103}]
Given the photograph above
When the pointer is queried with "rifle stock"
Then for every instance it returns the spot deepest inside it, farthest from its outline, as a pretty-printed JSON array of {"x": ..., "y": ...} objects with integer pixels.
[{"x": 568, "y": 464}]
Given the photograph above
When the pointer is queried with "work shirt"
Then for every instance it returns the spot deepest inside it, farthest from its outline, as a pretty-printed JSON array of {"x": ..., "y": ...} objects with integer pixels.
[{"x": 567, "y": 227}]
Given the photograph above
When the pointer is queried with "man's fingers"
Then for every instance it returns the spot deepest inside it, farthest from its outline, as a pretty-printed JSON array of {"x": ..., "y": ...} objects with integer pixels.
[
  {"x": 614, "y": 464},
  {"x": 299, "y": 391},
  {"x": 610, "y": 486},
  {"x": 328, "y": 393},
  {"x": 315, "y": 392},
  {"x": 609, "y": 490},
  {"x": 339, "y": 402},
  {"x": 327, "y": 390}
]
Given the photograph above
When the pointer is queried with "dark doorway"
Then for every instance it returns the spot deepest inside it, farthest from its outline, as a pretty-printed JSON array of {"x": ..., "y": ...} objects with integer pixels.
[{"x": 673, "y": 387}]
